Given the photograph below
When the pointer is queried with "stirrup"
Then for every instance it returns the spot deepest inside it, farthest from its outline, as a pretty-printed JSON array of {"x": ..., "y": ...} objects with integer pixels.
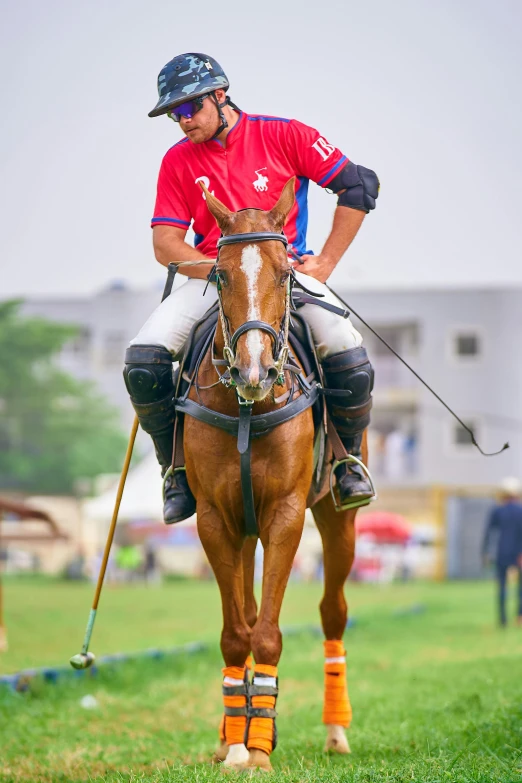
[{"x": 352, "y": 503}]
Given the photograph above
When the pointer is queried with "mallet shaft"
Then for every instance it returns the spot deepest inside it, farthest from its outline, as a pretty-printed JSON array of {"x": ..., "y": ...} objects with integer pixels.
[{"x": 171, "y": 273}]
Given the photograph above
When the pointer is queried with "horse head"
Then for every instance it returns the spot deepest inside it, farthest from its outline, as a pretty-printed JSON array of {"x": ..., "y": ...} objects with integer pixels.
[{"x": 253, "y": 285}]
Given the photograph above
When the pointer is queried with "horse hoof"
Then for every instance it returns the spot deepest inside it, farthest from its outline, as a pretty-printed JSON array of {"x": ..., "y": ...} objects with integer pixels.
[
  {"x": 259, "y": 761},
  {"x": 336, "y": 741},
  {"x": 237, "y": 758},
  {"x": 220, "y": 754}
]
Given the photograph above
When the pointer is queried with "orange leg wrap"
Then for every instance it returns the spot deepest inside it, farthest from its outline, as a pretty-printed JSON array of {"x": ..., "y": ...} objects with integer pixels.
[
  {"x": 235, "y": 704},
  {"x": 249, "y": 665},
  {"x": 337, "y": 708},
  {"x": 261, "y": 729}
]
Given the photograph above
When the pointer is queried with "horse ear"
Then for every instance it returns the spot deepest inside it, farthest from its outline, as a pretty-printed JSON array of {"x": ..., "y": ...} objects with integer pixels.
[
  {"x": 222, "y": 214},
  {"x": 281, "y": 210}
]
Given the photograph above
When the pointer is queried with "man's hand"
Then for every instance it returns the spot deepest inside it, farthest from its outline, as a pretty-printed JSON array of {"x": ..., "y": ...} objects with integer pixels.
[
  {"x": 346, "y": 224},
  {"x": 318, "y": 267}
]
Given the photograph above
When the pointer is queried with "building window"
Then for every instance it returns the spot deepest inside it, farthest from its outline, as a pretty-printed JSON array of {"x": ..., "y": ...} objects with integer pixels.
[{"x": 467, "y": 344}]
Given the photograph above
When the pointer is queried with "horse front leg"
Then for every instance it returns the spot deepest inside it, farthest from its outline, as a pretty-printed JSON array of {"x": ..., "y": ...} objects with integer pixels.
[
  {"x": 280, "y": 536},
  {"x": 223, "y": 548},
  {"x": 337, "y": 531},
  {"x": 250, "y": 609}
]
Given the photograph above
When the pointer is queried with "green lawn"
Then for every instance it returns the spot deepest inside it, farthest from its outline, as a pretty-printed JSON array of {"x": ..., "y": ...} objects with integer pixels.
[{"x": 437, "y": 695}]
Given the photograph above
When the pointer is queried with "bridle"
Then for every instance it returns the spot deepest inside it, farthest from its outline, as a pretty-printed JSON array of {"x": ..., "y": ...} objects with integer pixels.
[{"x": 279, "y": 339}]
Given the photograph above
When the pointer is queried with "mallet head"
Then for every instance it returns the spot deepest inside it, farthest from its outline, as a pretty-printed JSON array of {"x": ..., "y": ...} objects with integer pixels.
[{"x": 82, "y": 660}]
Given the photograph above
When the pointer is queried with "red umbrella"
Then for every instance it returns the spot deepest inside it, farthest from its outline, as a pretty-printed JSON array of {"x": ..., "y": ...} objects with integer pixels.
[{"x": 385, "y": 527}]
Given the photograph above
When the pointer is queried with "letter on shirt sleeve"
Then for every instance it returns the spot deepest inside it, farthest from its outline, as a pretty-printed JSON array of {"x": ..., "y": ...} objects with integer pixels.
[{"x": 313, "y": 155}]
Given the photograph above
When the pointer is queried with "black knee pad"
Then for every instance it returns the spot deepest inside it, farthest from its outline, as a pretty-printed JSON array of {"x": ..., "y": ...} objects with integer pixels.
[
  {"x": 148, "y": 378},
  {"x": 148, "y": 373},
  {"x": 349, "y": 372}
]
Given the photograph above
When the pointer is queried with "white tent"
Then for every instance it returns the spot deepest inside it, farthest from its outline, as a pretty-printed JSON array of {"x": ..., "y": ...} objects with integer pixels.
[{"x": 142, "y": 496}]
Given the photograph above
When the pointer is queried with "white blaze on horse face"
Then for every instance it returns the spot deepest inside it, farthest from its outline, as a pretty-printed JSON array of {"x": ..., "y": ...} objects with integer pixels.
[{"x": 251, "y": 265}]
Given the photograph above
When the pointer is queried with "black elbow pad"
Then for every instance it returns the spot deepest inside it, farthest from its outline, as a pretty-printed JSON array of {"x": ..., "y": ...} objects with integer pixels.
[{"x": 360, "y": 187}]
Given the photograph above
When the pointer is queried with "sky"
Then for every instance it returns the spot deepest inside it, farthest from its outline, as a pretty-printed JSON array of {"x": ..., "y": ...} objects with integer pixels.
[{"x": 425, "y": 93}]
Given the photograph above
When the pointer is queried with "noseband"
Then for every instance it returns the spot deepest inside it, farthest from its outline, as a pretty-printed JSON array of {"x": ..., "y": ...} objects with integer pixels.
[{"x": 279, "y": 339}]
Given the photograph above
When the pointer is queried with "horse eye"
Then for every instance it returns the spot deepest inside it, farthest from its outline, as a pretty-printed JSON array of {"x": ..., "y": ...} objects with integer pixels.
[
  {"x": 284, "y": 277},
  {"x": 221, "y": 276}
]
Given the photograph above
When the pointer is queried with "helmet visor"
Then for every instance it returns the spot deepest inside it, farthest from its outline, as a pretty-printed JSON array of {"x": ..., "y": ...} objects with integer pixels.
[{"x": 187, "y": 110}]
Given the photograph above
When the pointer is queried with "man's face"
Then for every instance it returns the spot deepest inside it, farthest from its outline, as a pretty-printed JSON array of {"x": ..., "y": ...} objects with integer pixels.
[{"x": 202, "y": 126}]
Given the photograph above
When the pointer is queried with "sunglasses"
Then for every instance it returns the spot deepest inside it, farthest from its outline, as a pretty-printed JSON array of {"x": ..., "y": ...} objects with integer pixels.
[{"x": 187, "y": 110}]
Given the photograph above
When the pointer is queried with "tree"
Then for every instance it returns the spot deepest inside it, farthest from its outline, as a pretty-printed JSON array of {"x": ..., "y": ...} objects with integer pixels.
[{"x": 54, "y": 429}]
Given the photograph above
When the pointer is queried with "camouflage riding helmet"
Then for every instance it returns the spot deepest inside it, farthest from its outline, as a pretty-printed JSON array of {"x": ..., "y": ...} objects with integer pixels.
[{"x": 185, "y": 77}]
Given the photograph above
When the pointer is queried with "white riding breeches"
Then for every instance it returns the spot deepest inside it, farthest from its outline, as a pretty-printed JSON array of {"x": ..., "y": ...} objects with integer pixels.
[{"x": 171, "y": 322}]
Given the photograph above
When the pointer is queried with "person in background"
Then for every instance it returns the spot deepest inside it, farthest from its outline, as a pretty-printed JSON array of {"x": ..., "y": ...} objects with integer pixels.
[{"x": 502, "y": 543}]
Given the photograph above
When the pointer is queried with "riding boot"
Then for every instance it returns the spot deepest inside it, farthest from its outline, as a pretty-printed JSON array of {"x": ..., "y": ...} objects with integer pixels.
[
  {"x": 148, "y": 378},
  {"x": 349, "y": 382}
]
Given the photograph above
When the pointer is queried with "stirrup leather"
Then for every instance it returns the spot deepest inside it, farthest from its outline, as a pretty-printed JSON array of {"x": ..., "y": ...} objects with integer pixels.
[{"x": 355, "y": 503}]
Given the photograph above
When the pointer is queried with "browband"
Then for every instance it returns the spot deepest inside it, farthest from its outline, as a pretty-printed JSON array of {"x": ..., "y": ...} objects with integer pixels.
[{"x": 261, "y": 236}]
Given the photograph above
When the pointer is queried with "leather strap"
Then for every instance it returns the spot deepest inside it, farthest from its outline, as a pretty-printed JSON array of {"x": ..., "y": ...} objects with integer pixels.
[
  {"x": 262, "y": 690},
  {"x": 259, "y": 424},
  {"x": 306, "y": 299},
  {"x": 259, "y": 236},
  {"x": 244, "y": 445},
  {"x": 336, "y": 442},
  {"x": 235, "y": 712},
  {"x": 261, "y": 712},
  {"x": 234, "y": 690},
  {"x": 253, "y": 325}
]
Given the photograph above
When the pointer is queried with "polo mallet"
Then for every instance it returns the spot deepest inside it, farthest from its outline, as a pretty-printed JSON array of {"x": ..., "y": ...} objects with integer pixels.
[
  {"x": 84, "y": 659},
  {"x": 416, "y": 374}
]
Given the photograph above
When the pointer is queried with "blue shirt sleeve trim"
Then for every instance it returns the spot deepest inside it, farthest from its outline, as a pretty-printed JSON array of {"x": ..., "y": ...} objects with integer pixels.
[
  {"x": 332, "y": 171},
  {"x": 161, "y": 219},
  {"x": 268, "y": 119}
]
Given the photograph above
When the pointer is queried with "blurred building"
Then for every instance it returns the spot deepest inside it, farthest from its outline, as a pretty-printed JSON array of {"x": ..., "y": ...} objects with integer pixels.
[{"x": 463, "y": 342}]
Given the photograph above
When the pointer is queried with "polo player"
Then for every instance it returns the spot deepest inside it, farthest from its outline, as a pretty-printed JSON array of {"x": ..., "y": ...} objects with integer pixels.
[{"x": 245, "y": 160}]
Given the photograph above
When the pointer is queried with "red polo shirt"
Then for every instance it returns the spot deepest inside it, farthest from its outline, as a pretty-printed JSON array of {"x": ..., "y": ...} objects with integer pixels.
[{"x": 261, "y": 155}]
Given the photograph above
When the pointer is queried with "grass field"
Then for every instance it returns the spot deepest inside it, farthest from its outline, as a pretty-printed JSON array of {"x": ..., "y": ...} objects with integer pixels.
[{"x": 437, "y": 694}]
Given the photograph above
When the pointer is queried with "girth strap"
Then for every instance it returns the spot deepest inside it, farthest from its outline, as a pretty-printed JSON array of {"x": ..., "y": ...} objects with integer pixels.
[{"x": 244, "y": 446}]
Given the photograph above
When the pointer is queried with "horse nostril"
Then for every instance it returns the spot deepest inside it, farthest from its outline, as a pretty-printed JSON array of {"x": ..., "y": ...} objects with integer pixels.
[
  {"x": 236, "y": 376},
  {"x": 272, "y": 374}
]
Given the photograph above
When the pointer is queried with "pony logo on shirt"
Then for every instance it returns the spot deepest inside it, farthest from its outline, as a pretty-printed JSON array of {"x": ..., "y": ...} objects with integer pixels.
[{"x": 261, "y": 183}]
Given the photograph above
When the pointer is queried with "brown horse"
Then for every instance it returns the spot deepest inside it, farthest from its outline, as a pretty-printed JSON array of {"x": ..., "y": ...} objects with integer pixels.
[{"x": 252, "y": 280}]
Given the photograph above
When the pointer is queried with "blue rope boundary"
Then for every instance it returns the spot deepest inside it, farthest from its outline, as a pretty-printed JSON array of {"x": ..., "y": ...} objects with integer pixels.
[{"x": 51, "y": 674}]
